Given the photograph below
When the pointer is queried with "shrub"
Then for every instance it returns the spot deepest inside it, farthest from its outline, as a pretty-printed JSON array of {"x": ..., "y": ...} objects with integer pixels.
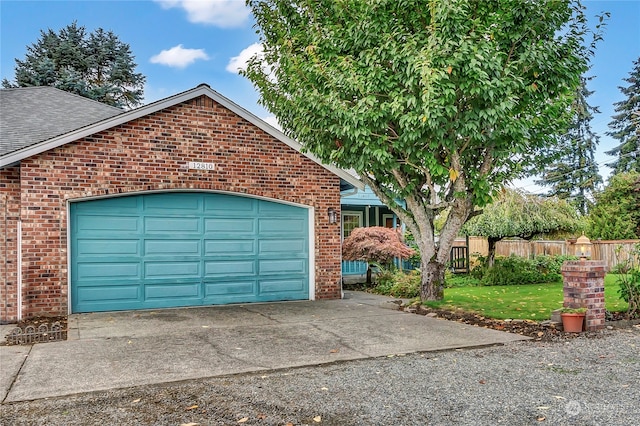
[
  {"x": 398, "y": 284},
  {"x": 629, "y": 281},
  {"x": 375, "y": 244},
  {"x": 515, "y": 270},
  {"x": 460, "y": 280},
  {"x": 479, "y": 266}
]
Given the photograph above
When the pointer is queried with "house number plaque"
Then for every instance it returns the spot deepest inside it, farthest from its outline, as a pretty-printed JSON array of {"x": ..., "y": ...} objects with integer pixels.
[{"x": 196, "y": 165}]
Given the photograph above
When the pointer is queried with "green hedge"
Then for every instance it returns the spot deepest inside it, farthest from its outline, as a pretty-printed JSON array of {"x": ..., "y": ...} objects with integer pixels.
[{"x": 515, "y": 270}]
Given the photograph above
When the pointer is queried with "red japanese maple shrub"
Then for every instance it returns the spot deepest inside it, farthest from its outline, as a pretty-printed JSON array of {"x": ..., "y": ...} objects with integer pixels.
[{"x": 376, "y": 245}]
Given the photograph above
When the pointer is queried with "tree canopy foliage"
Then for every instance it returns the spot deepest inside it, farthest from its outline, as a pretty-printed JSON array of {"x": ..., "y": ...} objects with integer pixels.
[
  {"x": 436, "y": 103},
  {"x": 522, "y": 215},
  {"x": 95, "y": 65},
  {"x": 625, "y": 126},
  {"x": 616, "y": 213}
]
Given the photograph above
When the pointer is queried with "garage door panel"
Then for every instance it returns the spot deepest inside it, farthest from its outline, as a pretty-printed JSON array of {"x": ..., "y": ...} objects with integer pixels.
[
  {"x": 169, "y": 247},
  {"x": 283, "y": 266},
  {"x": 229, "y": 204},
  {"x": 223, "y": 288},
  {"x": 229, "y": 225},
  {"x": 280, "y": 209},
  {"x": 172, "y": 225},
  {"x": 107, "y": 271},
  {"x": 279, "y": 246},
  {"x": 184, "y": 249},
  {"x": 172, "y": 290},
  {"x": 98, "y": 224},
  {"x": 281, "y": 286},
  {"x": 224, "y": 268},
  {"x": 118, "y": 205},
  {"x": 172, "y": 269},
  {"x": 270, "y": 226},
  {"x": 101, "y": 247},
  {"x": 109, "y": 294},
  {"x": 180, "y": 203},
  {"x": 229, "y": 247}
]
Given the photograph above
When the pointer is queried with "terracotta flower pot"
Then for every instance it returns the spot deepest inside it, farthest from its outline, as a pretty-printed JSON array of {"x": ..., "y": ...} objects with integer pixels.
[{"x": 572, "y": 322}]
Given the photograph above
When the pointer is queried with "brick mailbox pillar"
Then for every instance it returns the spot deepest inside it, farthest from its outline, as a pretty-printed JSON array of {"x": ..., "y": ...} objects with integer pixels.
[{"x": 584, "y": 288}]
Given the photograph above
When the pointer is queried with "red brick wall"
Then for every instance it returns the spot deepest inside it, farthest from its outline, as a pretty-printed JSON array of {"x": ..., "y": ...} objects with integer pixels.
[
  {"x": 9, "y": 215},
  {"x": 151, "y": 153}
]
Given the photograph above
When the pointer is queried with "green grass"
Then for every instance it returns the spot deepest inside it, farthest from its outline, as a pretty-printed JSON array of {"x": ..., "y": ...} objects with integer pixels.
[{"x": 533, "y": 302}]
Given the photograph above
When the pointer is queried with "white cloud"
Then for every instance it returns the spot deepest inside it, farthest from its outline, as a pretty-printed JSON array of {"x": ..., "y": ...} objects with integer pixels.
[
  {"x": 239, "y": 62},
  {"x": 221, "y": 13},
  {"x": 179, "y": 57},
  {"x": 273, "y": 121}
]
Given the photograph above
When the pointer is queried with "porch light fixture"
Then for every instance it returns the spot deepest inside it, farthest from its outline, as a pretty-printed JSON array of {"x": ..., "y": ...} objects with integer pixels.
[
  {"x": 333, "y": 216},
  {"x": 583, "y": 247}
]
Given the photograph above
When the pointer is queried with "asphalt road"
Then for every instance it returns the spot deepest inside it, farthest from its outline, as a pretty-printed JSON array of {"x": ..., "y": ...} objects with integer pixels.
[{"x": 582, "y": 381}]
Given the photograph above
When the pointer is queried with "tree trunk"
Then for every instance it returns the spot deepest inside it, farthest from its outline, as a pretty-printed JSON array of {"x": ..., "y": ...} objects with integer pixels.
[
  {"x": 369, "y": 280},
  {"x": 432, "y": 287}
]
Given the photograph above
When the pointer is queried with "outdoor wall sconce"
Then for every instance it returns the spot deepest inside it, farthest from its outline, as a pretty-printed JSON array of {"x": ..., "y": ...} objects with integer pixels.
[
  {"x": 583, "y": 247},
  {"x": 333, "y": 216}
]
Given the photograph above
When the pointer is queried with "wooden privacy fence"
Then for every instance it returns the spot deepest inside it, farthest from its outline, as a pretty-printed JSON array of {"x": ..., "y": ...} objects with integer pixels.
[{"x": 601, "y": 250}]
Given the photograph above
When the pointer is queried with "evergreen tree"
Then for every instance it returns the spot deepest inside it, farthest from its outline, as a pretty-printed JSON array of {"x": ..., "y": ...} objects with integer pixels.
[
  {"x": 625, "y": 125},
  {"x": 616, "y": 214},
  {"x": 97, "y": 66},
  {"x": 575, "y": 175}
]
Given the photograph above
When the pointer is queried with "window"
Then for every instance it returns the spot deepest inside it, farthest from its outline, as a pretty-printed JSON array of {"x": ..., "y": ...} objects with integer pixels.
[{"x": 350, "y": 221}]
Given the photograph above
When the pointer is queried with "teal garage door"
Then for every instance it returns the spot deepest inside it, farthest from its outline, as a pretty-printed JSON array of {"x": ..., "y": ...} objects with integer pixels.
[{"x": 186, "y": 249}]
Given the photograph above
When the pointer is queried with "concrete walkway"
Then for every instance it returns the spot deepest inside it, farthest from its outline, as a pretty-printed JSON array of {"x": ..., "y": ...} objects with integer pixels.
[{"x": 123, "y": 349}]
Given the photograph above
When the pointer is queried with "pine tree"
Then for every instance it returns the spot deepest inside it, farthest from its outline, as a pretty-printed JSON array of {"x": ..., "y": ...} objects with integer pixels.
[
  {"x": 97, "y": 66},
  {"x": 625, "y": 125},
  {"x": 574, "y": 176}
]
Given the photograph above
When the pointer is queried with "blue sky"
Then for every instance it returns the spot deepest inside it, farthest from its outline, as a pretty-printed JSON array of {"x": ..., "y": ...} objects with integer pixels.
[{"x": 179, "y": 44}]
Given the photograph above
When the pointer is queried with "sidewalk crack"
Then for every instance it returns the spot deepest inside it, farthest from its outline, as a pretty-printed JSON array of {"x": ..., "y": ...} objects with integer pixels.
[{"x": 13, "y": 382}]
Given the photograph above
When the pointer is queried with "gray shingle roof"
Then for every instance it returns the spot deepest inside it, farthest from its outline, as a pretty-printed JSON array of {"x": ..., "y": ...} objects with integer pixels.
[{"x": 29, "y": 115}]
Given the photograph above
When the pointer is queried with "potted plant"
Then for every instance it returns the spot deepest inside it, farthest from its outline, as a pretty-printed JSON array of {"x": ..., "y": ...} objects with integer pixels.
[{"x": 573, "y": 319}]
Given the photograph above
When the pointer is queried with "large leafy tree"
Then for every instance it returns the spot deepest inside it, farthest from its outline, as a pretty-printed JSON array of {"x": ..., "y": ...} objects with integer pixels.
[
  {"x": 625, "y": 127},
  {"x": 523, "y": 215},
  {"x": 96, "y": 65},
  {"x": 575, "y": 174},
  {"x": 433, "y": 102},
  {"x": 616, "y": 213}
]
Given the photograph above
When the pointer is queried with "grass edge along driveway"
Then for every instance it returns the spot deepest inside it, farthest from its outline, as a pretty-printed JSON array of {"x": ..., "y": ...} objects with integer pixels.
[{"x": 531, "y": 301}]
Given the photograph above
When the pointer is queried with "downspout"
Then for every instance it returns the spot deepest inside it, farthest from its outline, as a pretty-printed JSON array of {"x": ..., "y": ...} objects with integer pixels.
[
  {"x": 6, "y": 260},
  {"x": 19, "y": 269}
]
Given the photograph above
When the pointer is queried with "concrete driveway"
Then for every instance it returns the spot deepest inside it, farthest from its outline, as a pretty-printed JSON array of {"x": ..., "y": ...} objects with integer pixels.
[{"x": 124, "y": 349}]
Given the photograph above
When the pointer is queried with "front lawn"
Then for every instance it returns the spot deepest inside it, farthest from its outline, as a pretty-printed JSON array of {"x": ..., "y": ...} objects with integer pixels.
[{"x": 519, "y": 301}]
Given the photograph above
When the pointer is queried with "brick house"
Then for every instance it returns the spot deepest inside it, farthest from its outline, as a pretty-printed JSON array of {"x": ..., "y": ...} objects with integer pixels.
[{"x": 188, "y": 201}]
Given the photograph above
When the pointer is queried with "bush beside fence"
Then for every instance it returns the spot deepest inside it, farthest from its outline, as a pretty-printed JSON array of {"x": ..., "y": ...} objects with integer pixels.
[{"x": 601, "y": 250}]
